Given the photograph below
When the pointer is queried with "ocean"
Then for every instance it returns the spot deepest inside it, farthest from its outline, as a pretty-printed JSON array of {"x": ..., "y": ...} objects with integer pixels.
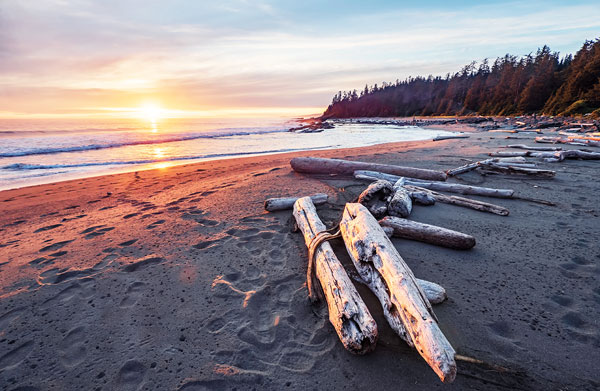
[{"x": 51, "y": 150}]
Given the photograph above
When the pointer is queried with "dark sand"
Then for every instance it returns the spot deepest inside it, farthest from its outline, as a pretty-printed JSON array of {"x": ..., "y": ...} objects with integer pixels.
[{"x": 178, "y": 279}]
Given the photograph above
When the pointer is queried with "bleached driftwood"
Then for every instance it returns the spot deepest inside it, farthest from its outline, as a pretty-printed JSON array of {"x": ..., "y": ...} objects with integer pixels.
[
  {"x": 313, "y": 165},
  {"x": 467, "y": 167},
  {"x": 273, "y": 204},
  {"x": 348, "y": 313},
  {"x": 439, "y": 186},
  {"x": 531, "y": 148},
  {"x": 400, "y": 203},
  {"x": 375, "y": 197},
  {"x": 404, "y": 303},
  {"x": 463, "y": 201},
  {"x": 510, "y": 153},
  {"x": 577, "y": 154},
  {"x": 413, "y": 230},
  {"x": 520, "y": 165},
  {"x": 422, "y": 198},
  {"x": 591, "y": 142},
  {"x": 519, "y": 170},
  {"x": 435, "y": 293},
  {"x": 453, "y": 136}
]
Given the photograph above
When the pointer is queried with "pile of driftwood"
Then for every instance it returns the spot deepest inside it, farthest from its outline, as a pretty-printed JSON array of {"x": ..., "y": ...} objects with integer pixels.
[{"x": 406, "y": 301}]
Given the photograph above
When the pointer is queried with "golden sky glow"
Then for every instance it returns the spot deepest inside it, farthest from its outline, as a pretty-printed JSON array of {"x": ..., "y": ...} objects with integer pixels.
[{"x": 117, "y": 58}]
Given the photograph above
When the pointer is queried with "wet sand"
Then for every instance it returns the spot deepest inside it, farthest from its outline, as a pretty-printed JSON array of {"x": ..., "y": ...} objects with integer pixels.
[{"x": 177, "y": 279}]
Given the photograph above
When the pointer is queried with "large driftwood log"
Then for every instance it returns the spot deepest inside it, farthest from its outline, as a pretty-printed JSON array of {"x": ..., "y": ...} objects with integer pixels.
[
  {"x": 348, "y": 313},
  {"x": 439, "y": 186},
  {"x": 413, "y": 230},
  {"x": 392, "y": 281},
  {"x": 313, "y": 165},
  {"x": 463, "y": 201},
  {"x": 273, "y": 204}
]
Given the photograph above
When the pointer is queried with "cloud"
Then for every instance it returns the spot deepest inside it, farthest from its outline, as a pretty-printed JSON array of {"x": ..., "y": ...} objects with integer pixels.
[{"x": 248, "y": 53}]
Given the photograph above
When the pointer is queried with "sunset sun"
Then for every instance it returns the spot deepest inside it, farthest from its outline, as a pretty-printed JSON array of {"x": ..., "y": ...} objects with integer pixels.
[{"x": 150, "y": 112}]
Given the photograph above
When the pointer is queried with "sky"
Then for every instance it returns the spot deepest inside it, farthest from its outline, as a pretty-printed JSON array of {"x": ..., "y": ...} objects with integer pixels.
[{"x": 197, "y": 58}]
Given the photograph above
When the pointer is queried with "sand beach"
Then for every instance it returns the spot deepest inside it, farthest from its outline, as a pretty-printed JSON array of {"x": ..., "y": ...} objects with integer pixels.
[{"x": 177, "y": 279}]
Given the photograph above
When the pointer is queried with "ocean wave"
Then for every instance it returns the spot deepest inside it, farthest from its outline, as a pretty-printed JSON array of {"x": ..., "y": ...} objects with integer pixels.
[
  {"x": 28, "y": 166},
  {"x": 89, "y": 147}
]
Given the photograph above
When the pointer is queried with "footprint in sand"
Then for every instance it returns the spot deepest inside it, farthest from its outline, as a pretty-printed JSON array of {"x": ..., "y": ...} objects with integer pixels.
[
  {"x": 128, "y": 243},
  {"x": 155, "y": 224},
  {"x": 72, "y": 350},
  {"x": 130, "y": 376},
  {"x": 142, "y": 263},
  {"x": 133, "y": 294},
  {"x": 47, "y": 228},
  {"x": 13, "y": 358},
  {"x": 97, "y": 230},
  {"x": 84, "y": 289},
  {"x": 55, "y": 246}
]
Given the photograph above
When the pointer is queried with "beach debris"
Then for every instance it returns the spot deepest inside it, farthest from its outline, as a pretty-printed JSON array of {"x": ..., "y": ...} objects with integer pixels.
[
  {"x": 422, "y": 198},
  {"x": 376, "y": 197},
  {"x": 274, "y": 204},
  {"x": 404, "y": 303},
  {"x": 449, "y": 137},
  {"x": 572, "y": 154},
  {"x": 572, "y": 140},
  {"x": 533, "y": 148},
  {"x": 313, "y": 165},
  {"x": 413, "y": 230},
  {"x": 505, "y": 167},
  {"x": 515, "y": 169},
  {"x": 462, "y": 201},
  {"x": 400, "y": 203},
  {"x": 435, "y": 293},
  {"x": 348, "y": 313},
  {"x": 439, "y": 186}
]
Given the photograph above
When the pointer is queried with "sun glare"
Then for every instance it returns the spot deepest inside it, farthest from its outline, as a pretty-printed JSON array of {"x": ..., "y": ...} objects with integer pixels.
[{"x": 150, "y": 112}]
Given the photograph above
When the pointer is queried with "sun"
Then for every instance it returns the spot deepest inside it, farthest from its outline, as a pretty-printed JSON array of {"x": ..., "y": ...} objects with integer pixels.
[{"x": 150, "y": 112}]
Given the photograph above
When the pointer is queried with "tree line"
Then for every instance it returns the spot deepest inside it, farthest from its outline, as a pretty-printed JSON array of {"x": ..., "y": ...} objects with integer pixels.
[{"x": 541, "y": 83}]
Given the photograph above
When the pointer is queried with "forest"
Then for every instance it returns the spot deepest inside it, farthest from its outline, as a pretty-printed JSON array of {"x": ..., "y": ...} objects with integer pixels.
[{"x": 540, "y": 83}]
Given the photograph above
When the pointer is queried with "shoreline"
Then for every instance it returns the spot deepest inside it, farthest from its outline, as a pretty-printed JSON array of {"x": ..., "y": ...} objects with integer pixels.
[
  {"x": 177, "y": 278},
  {"x": 179, "y": 162}
]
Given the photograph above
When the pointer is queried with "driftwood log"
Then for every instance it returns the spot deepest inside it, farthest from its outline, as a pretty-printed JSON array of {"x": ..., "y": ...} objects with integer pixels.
[
  {"x": 313, "y": 165},
  {"x": 375, "y": 197},
  {"x": 435, "y": 293},
  {"x": 495, "y": 164},
  {"x": 467, "y": 167},
  {"x": 530, "y": 148},
  {"x": 439, "y": 186},
  {"x": 453, "y": 136},
  {"x": 400, "y": 203},
  {"x": 513, "y": 169},
  {"x": 273, "y": 204},
  {"x": 463, "y": 201},
  {"x": 408, "y": 229},
  {"x": 422, "y": 198},
  {"x": 405, "y": 305},
  {"x": 348, "y": 313}
]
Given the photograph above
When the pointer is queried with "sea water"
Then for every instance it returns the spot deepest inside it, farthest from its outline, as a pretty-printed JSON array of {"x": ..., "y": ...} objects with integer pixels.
[{"x": 44, "y": 151}]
